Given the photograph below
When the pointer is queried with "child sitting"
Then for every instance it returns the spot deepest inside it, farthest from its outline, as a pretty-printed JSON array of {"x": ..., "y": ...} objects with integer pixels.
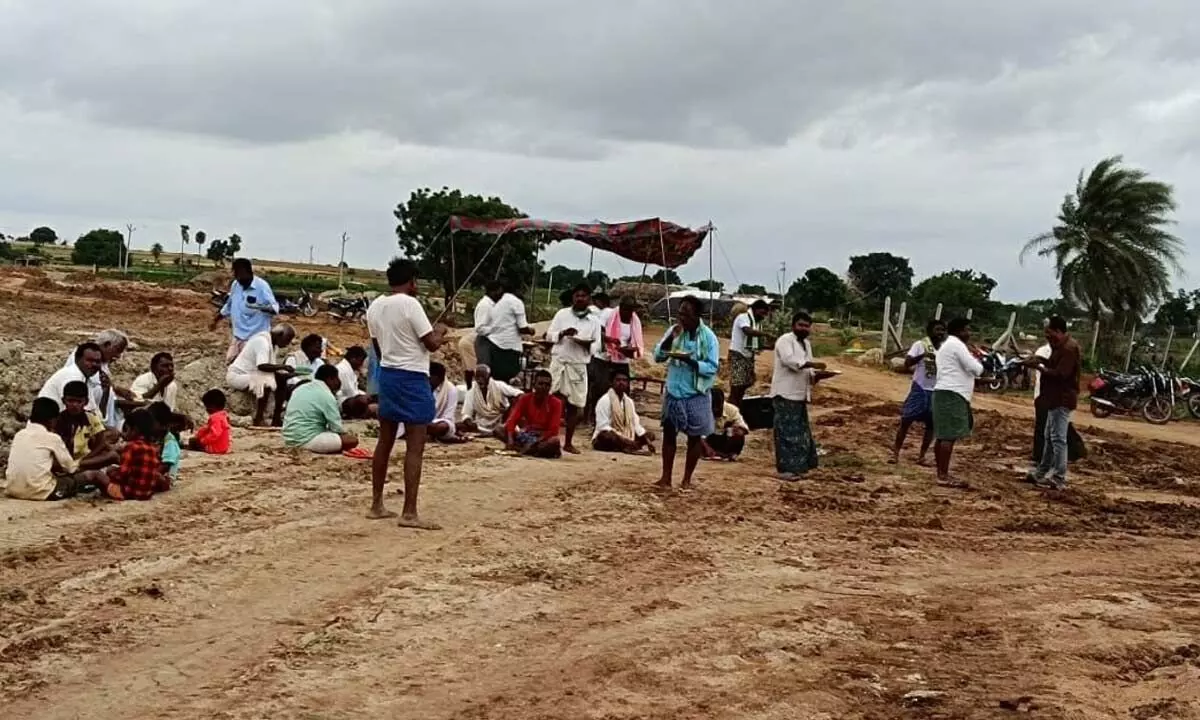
[
  {"x": 170, "y": 424},
  {"x": 139, "y": 475},
  {"x": 39, "y": 465},
  {"x": 213, "y": 437}
]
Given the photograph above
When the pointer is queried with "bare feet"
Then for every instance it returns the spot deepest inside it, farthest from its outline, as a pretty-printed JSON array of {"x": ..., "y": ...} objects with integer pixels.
[
  {"x": 686, "y": 485},
  {"x": 923, "y": 461},
  {"x": 894, "y": 459},
  {"x": 416, "y": 523},
  {"x": 379, "y": 512},
  {"x": 951, "y": 482},
  {"x": 663, "y": 484},
  {"x": 570, "y": 449}
]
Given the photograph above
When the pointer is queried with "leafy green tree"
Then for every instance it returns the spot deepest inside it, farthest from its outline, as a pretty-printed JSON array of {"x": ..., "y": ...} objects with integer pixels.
[
  {"x": 235, "y": 244},
  {"x": 221, "y": 250},
  {"x": 156, "y": 251},
  {"x": 958, "y": 289},
  {"x": 43, "y": 236},
  {"x": 879, "y": 275},
  {"x": 597, "y": 279},
  {"x": 818, "y": 289},
  {"x": 185, "y": 237},
  {"x": 710, "y": 285},
  {"x": 424, "y": 237},
  {"x": 669, "y": 277},
  {"x": 98, "y": 247},
  {"x": 1182, "y": 310},
  {"x": 1111, "y": 248},
  {"x": 745, "y": 289},
  {"x": 565, "y": 277}
]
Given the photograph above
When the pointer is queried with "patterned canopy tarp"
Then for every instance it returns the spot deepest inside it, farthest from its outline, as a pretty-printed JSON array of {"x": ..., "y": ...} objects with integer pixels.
[{"x": 652, "y": 241}]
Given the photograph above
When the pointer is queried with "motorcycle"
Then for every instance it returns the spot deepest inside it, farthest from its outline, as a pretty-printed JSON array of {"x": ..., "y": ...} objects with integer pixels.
[
  {"x": 348, "y": 308},
  {"x": 1189, "y": 394},
  {"x": 303, "y": 305},
  {"x": 1145, "y": 392},
  {"x": 1001, "y": 373}
]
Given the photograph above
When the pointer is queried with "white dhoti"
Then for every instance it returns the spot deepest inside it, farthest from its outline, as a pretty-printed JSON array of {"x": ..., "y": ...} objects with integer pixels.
[
  {"x": 570, "y": 381},
  {"x": 255, "y": 383},
  {"x": 327, "y": 443}
]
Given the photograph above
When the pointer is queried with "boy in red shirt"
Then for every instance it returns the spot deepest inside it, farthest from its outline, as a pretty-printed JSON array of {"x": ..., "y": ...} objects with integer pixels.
[
  {"x": 139, "y": 475},
  {"x": 535, "y": 420},
  {"x": 215, "y": 436}
]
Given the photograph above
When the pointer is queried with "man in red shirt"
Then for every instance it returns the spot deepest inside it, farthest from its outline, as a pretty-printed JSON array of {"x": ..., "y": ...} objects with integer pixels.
[{"x": 535, "y": 420}]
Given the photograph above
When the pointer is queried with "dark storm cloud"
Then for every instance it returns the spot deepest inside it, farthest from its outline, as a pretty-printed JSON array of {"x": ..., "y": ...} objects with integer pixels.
[{"x": 548, "y": 77}]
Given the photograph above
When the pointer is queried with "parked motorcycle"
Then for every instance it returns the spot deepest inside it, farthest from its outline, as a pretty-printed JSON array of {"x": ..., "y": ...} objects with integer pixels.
[
  {"x": 1000, "y": 372},
  {"x": 302, "y": 305},
  {"x": 348, "y": 308},
  {"x": 1146, "y": 392},
  {"x": 1189, "y": 394}
]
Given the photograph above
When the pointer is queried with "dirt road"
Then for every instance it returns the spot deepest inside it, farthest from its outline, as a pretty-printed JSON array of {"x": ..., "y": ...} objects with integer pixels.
[{"x": 567, "y": 589}]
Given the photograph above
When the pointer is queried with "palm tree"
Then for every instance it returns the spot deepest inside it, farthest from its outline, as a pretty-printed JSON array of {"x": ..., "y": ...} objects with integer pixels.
[
  {"x": 201, "y": 238},
  {"x": 184, "y": 239},
  {"x": 156, "y": 250},
  {"x": 1111, "y": 249}
]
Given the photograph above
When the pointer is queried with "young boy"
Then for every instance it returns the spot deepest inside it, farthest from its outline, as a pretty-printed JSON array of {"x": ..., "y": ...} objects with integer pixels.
[
  {"x": 213, "y": 437},
  {"x": 139, "y": 476},
  {"x": 169, "y": 424},
  {"x": 39, "y": 465},
  {"x": 83, "y": 432}
]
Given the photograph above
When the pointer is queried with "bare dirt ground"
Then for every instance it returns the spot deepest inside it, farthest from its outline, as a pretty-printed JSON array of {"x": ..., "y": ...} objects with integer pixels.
[{"x": 567, "y": 589}]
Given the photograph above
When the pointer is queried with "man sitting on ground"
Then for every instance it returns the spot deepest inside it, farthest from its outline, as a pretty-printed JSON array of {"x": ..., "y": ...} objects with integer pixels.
[
  {"x": 445, "y": 400},
  {"x": 487, "y": 404},
  {"x": 39, "y": 465},
  {"x": 313, "y": 420},
  {"x": 88, "y": 359},
  {"x": 729, "y": 440},
  {"x": 158, "y": 384},
  {"x": 256, "y": 372},
  {"x": 305, "y": 361},
  {"x": 535, "y": 420},
  {"x": 89, "y": 442},
  {"x": 113, "y": 401},
  {"x": 354, "y": 401},
  {"x": 618, "y": 427}
]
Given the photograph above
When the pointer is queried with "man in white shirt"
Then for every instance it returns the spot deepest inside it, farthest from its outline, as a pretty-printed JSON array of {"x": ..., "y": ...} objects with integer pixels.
[
  {"x": 745, "y": 342},
  {"x": 483, "y": 317},
  {"x": 504, "y": 345},
  {"x": 40, "y": 467},
  {"x": 159, "y": 383},
  {"x": 87, "y": 361},
  {"x": 255, "y": 371},
  {"x": 618, "y": 427},
  {"x": 957, "y": 371},
  {"x": 922, "y": 360},
  {"x": 354, "y": 400},
  {"x": 110, "y": 398},
  {"x": 487, "y": 404},
  {"x": 791, "y": 391},
  {"x": 574, "y": 331},
  {"x": 403, "y": 338}
]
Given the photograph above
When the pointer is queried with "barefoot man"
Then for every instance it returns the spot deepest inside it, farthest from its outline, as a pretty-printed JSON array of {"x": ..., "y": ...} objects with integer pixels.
[
  {"x": 573, "y": 331},
  {"x": 957, "y": 370},
  {"x": 618, "y": 427},
  {"x": 402, "y": 338},
  {"x": 692, "y": 354},
  {"x": 917, "y": 406}
]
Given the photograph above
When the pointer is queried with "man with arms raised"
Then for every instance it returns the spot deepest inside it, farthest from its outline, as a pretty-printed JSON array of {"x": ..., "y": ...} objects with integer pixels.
[
  {"x": 403, "y": 338},
  {"x": 250, "y": 306},
  {"x": 573, "y": 331},
  {"x": 691, "y": 352}
]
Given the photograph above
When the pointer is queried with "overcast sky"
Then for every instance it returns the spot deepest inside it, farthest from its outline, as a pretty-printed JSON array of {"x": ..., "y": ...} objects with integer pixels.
[{"x": 942, "y": 130}]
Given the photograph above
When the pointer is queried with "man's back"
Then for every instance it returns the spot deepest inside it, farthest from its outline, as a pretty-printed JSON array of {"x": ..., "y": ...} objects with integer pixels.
[
  {"x": 398, "y": 322},
  {"x": 308, "y": 412}
]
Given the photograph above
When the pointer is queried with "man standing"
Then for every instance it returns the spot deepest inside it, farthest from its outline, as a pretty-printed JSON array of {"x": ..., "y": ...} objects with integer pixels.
[
  {"x": 502, "y": 345},
  {"x": 692, "y": 354},
  {"x": 618, "y": 427},
  {"x": 574, "y": 332},
  {"x": 791, "y": 390},
  {"x": 744, "y": 345},
  {"x": 957, "y": 370},
  {"x": 1075, "y": 447},
  {"x": 922, "y": 360},
  {"x": 483, "y": 317},
  {"x": 620, "y": 341},
  {"x": 1058, "y": 396},
  {"x": 314, "y": 420},
  {"x": 250, "y": 306},
  {"x": 255, "y": 371},
  {"x": 403, "y": 338}
]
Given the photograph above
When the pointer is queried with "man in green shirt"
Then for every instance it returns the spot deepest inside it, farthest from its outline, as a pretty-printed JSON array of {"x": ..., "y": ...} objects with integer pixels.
[{"x": 313, "y": 420}]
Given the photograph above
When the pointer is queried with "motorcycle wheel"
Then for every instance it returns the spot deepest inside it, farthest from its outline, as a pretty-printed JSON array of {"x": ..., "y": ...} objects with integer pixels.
[
  {"x": 1193, "y": 404},
  {"x": 1158, "y": 410},
  {"x": 309, "y": 311},
  {"x": 1100, "y": 411},
  {"x": 998, "y": 384}
]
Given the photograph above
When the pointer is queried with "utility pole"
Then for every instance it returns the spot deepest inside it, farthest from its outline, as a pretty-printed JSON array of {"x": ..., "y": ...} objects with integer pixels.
[
  {"x": 342, "y": 261},
  {"x": 310, "y": 254},
  {"x": 129, "y": 228}
]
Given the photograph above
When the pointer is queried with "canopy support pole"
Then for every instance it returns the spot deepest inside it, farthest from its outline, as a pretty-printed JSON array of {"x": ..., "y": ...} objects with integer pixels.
[
  {"x": 712, "y": 240},
  {"x": 450, "y": 300},
  {"x": 666, "y": 285}
]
